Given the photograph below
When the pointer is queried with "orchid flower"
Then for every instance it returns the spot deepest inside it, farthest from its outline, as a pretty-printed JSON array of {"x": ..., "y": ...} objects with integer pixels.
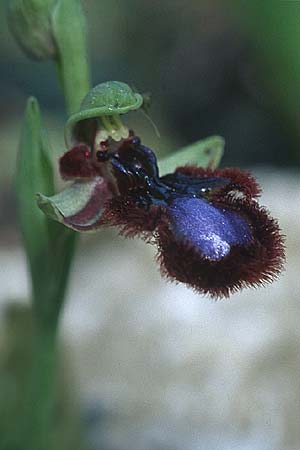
[{"x": 209, "y": 229}]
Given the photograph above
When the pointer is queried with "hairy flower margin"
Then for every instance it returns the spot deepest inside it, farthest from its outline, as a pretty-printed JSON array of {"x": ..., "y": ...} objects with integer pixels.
[{"x": 210, "y": 232}]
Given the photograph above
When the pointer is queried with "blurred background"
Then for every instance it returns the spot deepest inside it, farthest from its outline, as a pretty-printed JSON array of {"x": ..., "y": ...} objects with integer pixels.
[{"x": 147, "y": 365}]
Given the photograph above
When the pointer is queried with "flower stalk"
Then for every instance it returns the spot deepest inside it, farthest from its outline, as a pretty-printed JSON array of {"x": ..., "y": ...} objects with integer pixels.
[{"x": 69, "y": 30}]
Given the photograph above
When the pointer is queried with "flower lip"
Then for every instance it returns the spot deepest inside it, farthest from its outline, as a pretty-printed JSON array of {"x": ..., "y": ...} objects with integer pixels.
[
  {"x": 254, "y": 264},
  {"x": 208, "y": 238}
]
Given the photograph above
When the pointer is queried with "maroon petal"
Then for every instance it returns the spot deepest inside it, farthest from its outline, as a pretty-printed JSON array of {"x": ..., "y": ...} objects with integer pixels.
[{"x": 77, "y": 163}]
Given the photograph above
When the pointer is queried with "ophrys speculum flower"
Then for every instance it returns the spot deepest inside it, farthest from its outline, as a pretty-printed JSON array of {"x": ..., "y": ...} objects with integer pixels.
[{"x": 208, "y": 227}]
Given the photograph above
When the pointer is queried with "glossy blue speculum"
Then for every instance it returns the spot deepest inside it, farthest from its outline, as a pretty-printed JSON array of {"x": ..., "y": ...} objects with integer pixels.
[{"x": 210, "y": 229}]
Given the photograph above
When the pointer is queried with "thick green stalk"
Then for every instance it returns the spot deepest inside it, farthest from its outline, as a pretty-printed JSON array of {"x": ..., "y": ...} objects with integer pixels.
[
  {"x": 30, "y": 361},
  {"x": 69, "y": 30},
  {"x": 36, "y": 429}
]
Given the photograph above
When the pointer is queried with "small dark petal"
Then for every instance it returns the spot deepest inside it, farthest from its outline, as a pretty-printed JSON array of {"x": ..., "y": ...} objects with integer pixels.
[
  {"x": 254, "y": 264},
  {"x": 77, "y": 163},
  {"x": 241, "y": 181}
]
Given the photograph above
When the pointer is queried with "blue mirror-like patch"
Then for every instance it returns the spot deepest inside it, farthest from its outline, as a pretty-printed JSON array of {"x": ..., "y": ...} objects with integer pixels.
[{"x": 212, "y": 230}]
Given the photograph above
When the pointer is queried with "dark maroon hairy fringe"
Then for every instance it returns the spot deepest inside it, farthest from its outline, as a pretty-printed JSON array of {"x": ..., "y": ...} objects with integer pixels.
[
  {"x": 240, "y": 180},
  {"x": 258, "y": 263},
  {"x": 122, "y": 212},
  {"x": 77, "y": 163}
]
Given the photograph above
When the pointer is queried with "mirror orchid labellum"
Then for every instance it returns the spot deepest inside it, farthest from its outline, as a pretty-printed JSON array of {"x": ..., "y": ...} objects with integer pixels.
[{"x": 208, "y": 227}]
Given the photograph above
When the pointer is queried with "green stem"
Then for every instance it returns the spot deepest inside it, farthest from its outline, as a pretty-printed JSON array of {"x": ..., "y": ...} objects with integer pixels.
[
  {"x": 69, "y": 29},
  {"x": 36, "y": 432}
]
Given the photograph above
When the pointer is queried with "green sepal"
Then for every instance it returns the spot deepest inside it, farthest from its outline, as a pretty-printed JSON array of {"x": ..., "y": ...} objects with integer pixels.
[
  {"x": 79, "y": 206},
  {"x": 206, "y": 153},
  {"x": 30, "y": 23},
  {"x": 106, "y": 99}
]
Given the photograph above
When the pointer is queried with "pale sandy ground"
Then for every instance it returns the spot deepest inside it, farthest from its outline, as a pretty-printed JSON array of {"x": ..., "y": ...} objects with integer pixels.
[{"x": 171, "y": 370}]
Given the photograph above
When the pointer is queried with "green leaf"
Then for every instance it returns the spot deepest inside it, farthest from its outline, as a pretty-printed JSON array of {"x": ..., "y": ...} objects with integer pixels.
[
  {"x": 34, "y": 173},
  {"x": 206, "y": 153},
  {"x": 49, "y": 246}
]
